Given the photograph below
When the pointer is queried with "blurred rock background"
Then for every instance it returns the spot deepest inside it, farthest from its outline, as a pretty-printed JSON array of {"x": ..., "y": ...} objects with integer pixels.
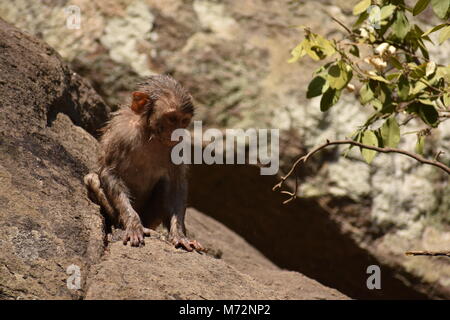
[{"x": 232, "y": 55}]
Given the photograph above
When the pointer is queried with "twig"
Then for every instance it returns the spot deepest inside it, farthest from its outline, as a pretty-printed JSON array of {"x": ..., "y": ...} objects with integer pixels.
[
  {"x": 341, "y": 24},
  {"x": 428, "y": 253},
  {"x": 328, "y": 143},
  {"x": 407, "y": 120},
  {"x": 436, "y": 157}
]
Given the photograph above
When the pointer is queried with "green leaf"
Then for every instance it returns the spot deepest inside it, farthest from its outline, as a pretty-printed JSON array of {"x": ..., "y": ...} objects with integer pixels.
[
  {"x": 316, "y": 87},
  {"x": 361, "y": 7},
  {"x": 443, "y": 72},
  {"x": 378, "y": 78},
  {"x": 427, "y": 113},
  {"x": 387, "y": 11},
  {"x": 430, "y": 69},
  {"x": 316, "y": 47},
  {"x": 446, "y": 99},
  {"x": 324, "y": 45},
  {"x": 384, "y": 94},
  {"x": 403, "y": 88},
  {"x": 388, "y": 107},
  {"x": 418, "y": 72},
  {"x": 395, "y": 62},
  {"x": 369, "y": 138},
  {"x": 444, "y": 34},
  {"x": 298, "y": 52},
  {"x": 417, "y": 88},
  {"x": 434, "y": 29},
  {"x": 401, "y": 26},
  {"x": 393, "y": 76},
  {"x": 423, "y": 48},
  {"x": 354, "y": 50},
  {"x": 440, "y": 7},
  {"x": 362, "y": 18},
  {"x": 377, "y": 104},
  {"x": 420, "y": 6},
  {"x": 339, "y": 75},
  {"x": 365, "y": 93},
  {"x": 390, "y": 133},
  {"x": 435, "y": 79},
  {"x": 420, "y": 144},
  {"x": 329, "y": 99},
  {"x": 420, "y": 33},
  {"x": 426, "y": 101},
  {"x": 323, "y": 68}
]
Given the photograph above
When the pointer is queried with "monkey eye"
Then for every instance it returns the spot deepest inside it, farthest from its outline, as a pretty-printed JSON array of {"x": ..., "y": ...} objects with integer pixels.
[{"x": 185, "y": 122}]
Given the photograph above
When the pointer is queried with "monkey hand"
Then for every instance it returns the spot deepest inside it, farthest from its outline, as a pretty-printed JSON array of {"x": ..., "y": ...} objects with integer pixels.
[
  {"x": 134, "y": 233},
  {"x": 183, "y": 242}
]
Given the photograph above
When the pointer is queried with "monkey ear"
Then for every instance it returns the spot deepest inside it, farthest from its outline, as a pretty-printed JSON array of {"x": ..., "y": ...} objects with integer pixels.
[{"x": 139, "y": 101}]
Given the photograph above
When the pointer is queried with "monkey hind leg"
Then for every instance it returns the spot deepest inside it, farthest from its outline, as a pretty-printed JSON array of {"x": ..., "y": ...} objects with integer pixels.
[{"x": 98, "y": 196}]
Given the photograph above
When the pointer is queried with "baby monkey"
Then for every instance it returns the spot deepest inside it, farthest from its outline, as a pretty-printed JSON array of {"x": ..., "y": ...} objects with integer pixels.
[{"x": 137, "y": 184}]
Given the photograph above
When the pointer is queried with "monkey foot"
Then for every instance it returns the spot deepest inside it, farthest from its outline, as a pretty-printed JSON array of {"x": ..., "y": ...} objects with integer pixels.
[
  {"x": 136, "y": 236},
  {"x": 188, "y": 245}
]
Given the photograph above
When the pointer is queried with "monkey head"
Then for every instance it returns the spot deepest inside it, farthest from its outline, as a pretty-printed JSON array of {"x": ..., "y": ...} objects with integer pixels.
[{"x": 164, "y": 105}]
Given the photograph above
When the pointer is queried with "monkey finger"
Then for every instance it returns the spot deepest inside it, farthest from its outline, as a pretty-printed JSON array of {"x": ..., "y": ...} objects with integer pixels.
[
  {"x": 197, "y": 246},
  {"x": 136, "y": 240},
  {"x": 130, "y": 238},
  {"x": 141, "y": 240},
  {"x": 125, "y": 239},
  {"x": 185, "y": 243}
]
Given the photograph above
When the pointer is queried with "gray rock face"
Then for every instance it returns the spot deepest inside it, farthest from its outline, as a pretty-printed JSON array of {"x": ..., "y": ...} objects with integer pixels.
[{"x": 50, "y": 231}]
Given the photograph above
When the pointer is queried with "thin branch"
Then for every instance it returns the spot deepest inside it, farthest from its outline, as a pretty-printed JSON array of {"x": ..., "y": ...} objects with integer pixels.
[
  {"x": 408, "y": 119},
  {"x": 328, "y": 143},
  {"x": 428, "y": 253},
  {"x": 436, "y": 157},
  {"x": 341, "y": 24}
]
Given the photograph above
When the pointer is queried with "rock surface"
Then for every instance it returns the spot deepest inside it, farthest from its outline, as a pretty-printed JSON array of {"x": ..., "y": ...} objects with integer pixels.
[
  {"x": 159, "y": 271},
  {"x": 48, "y": 224}
]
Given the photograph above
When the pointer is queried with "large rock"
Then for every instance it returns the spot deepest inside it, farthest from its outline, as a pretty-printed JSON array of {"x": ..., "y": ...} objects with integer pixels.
[
  {"x": 48, "y": 224},
  {"x": 159, "y": 271}
]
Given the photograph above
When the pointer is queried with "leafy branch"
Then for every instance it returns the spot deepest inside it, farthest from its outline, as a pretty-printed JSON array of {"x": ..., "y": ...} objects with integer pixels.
[
  {"x": 398, "y": 77},
  {"x": 328, "y": 143}
]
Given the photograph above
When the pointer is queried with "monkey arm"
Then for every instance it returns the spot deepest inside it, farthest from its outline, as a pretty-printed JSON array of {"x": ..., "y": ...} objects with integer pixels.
[
  {"x": 176, "y": 199},
  {"x": 117, "y": 193}
]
